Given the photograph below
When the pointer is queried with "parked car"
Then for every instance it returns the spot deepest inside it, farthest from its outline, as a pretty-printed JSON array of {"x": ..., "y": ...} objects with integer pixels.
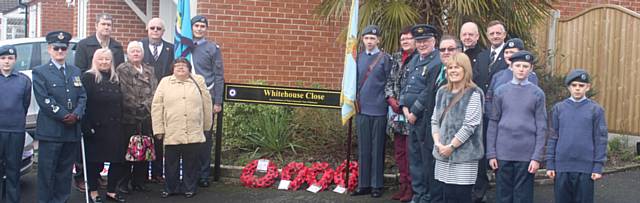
[{"x": 32, "y": 52}]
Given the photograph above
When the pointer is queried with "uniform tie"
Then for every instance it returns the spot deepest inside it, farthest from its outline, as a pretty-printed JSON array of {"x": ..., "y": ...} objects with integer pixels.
[
  {"x": 155, "y": 52},
  {"x": 493, "y": 56},
  {"x": 62, "y": 70}
]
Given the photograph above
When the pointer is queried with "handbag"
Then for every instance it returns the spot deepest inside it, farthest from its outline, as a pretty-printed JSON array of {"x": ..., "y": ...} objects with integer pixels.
[{"x": 140, "y": 148}]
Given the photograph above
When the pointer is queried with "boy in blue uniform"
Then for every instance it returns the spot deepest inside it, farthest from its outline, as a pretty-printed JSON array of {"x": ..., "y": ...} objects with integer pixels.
[
  {"x": 516, "y": 132},
  {"x": 577, "y": 146},
  {"x": 16, "y": 96},
  {"x": 61, "y": 98}
]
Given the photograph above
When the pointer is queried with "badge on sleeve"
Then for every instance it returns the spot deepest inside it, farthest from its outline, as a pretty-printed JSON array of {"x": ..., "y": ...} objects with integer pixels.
[{"x": 77, "y": 82}]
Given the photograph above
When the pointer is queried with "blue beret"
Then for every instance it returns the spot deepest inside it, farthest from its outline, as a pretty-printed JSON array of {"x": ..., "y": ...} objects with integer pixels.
[
  {"x": 579, "y": 75},
  {"x": 515, "y": 43},
  {"x": 8, "y": 50},
  {"x": 58, "y": 38},
  {"x": 371, "y": 30},
  {"x": 522, "y": 56},
  {"x": 423, "y": 31},
  {"x": 201, "y": 19}
]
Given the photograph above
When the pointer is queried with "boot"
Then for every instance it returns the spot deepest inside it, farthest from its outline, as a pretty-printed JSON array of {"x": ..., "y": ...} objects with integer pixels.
[
  {"x": 400, "y": 193},
  {"x": 408, "y": 194}
]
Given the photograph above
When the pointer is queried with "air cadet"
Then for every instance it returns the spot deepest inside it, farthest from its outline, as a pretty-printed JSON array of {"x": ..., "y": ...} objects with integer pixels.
[
  {"x": 417, "y": 100},
  {"x": 207, "y": 61},
  {"x": 373, "y": 68},
  {"x": 61, "y": 98},
  {"x": 15, "y": 101}
]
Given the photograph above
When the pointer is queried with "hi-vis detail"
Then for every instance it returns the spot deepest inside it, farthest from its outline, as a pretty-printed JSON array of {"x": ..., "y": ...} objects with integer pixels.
[{"x": 289, "y": 96}]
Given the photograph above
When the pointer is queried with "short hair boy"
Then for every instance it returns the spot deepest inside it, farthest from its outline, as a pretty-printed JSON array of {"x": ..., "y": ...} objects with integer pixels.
[{"x": 576, "y": 160}]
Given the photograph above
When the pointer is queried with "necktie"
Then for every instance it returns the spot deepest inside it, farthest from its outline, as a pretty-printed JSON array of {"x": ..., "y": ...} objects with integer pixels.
[
  {"x": 155, "y": 52},
  {"x": 493, "y": 56},
  {"x": 62, "y": 71}
]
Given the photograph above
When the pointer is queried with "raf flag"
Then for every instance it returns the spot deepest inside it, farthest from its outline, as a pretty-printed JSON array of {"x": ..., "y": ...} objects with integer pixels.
[
  {"x": 349, "y": 77},
  {"x": 183, "y": 40}
]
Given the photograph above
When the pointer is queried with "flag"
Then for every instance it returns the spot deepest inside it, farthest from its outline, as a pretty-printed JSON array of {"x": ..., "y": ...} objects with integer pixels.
[
  {"x": 349, "y": 77},
  {"x": 183, "y": 39}
]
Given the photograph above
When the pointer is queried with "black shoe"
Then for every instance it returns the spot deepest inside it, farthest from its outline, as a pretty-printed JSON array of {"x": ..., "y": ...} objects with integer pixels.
[
  {"x": 116, "y": 198},
  {"x": 164, "y": 195},
  {"x": 141, "y": 188},
  {"x": 96, "y": 200},
  {"x": 124, "y": 190},
  {"x": 361, "y": 191},
  {"x": 203, "y": 183},
  {"x": 189, "y": 194},
  {"x": 376, "y": 192}
]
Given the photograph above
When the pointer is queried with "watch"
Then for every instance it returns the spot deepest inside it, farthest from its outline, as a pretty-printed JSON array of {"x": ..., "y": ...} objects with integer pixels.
[{"x": 451, "y": 145}]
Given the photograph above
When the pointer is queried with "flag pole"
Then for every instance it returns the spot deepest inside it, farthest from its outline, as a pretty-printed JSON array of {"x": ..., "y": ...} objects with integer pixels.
[{"x": 348, "y": 165}]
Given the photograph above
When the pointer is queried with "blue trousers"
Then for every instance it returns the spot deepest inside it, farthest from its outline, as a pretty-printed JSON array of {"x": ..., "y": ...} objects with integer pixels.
[
  {"x": 371, "y": 136},
  {"x": 421, "y": 162},
  {"x": 11, "y": 146},
  {"x": 55, "y": 160},
  {"x": 514, "y": 184},
  {"x": 573, "y": 187}
]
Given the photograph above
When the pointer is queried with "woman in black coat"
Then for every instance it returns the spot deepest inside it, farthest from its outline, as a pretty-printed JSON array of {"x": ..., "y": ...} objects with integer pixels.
[{"x": 104, "y": 141}]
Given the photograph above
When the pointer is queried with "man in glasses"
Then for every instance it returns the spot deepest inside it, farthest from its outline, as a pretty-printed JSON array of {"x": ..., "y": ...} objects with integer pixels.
[
  {"x": 207, "y": 61},
  {"x": 159, "y": 54},
  {"x": 61, "y": 98},
  {"x": 102, "y": 39}
]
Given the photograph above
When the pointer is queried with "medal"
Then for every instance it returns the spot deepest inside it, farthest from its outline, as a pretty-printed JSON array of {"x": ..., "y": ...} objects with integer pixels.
[{"x": 77, "y": 82}]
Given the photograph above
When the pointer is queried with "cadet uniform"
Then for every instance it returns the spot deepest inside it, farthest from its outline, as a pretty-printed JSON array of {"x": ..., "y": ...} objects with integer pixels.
[
  {"x": 60, "y": 95},
  {"x": 13, "y": 111},
  {"x": 371, "y": 121},
  {"x": 418, "y": 94}
]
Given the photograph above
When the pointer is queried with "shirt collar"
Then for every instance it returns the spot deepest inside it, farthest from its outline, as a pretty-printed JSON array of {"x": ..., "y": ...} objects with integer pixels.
[
  {"x": 13, "y": 72},
  {"x": 499, "y": 49},
  {"x": 521, "y": 83},
  {"x": 579, "y": 100},
  {"x": 201, "y": 41},
  {"x": 56, "y": 64},
  {"x": 374, "y": 51}
]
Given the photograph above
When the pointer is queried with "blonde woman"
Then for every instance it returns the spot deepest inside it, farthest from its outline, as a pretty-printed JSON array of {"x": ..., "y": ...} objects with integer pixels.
[{"x": 457, "y": 132}]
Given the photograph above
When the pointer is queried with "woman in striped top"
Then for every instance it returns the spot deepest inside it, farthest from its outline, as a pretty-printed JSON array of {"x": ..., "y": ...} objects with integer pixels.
[{"x": 457, "y": 132}]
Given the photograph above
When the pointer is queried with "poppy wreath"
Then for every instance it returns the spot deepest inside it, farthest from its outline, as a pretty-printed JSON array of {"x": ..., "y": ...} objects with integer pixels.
[
  {"x": 297, "y": 168},
  {"x": 249, "y": 180},
  {"x": 340, "y": 173},
  {"x": 316, "y": 169}
]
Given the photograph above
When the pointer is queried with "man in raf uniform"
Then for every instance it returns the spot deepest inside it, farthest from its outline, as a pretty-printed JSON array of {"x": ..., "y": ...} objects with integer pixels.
[
  {"x": 373, "y": 68},
  {"x": 15, "y": 101},
  {"x": 61, "y": 98},
  {"x": 417, "y": 100}
]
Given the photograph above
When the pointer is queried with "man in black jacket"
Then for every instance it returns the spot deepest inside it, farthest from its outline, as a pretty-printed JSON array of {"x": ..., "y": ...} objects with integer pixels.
[{"x": 102, "y": 38}]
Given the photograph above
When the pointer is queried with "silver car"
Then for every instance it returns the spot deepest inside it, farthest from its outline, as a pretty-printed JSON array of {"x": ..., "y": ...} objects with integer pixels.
[{"x": 32, "y": 52}]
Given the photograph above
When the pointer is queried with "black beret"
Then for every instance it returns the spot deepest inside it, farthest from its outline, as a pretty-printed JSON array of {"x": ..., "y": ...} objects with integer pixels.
[
  {"x": 201, "y": 19},
  {"x": 522, "y": 56},
  {"x": 423, "y": 31},
  {"x": 58, "y": 38},
  {"x": 371, "y": 30},
  {"x": 515, "y": 43},
  {"x": 579, "y": 75},
  {"x": 8, "y": 50}
]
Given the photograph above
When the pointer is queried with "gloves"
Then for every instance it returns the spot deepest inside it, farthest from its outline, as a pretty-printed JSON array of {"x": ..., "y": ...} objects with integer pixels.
[
  {"x": 70, "y": 119},
  {"x": 395, "y": 106}
]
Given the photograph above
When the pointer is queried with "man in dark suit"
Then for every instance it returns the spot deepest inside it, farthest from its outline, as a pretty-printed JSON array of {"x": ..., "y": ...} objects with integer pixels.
[
  {"x": 61, "y": 98},
  {"x": 480, "y": 61},
  {"x": 159, "y": 54},
  {"x": 87, "y": 46},
  {"x": 496, "y": 33}
]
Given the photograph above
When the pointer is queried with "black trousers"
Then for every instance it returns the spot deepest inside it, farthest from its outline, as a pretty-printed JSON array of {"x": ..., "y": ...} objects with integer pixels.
[
  {"x": 55, "y": 161},
  {"x": 136, "y": 172},
  {"x": 482, "y": 180},
  {"x": 205, "y": 156},
  {"x": 116, "y": 171},
  {"x": 513, "y": 182},
  {"x": 11, "y": 145},
  {"x": 451, "y": 193},
  {"x": 573, "y": 187},
  {"x": 156, "y": 166},
  {"x": 188, "y": 153}
]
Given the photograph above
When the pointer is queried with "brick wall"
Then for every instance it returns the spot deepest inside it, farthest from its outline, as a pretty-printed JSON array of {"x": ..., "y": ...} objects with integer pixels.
[
  {"x": 57, "y": 16},
  {"x": 570, "y": 8},
  {"x": 275, "y": 41}
]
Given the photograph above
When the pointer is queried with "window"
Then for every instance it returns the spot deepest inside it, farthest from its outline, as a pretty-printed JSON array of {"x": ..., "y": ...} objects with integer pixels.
[{"x": 23, "y": 61}]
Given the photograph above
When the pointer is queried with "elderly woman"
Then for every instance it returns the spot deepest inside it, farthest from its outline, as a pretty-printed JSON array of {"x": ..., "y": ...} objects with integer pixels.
[
  {"x": 101, "y": 127},
  {"x": 181, "y": 113},
  {"x": 456, "y": 132},
  {"x": 138, "y": 83}
]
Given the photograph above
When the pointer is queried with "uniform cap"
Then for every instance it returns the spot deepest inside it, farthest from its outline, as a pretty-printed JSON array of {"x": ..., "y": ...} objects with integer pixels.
[
  {"x": 8, "y": 50},
  {"x": 515, "y": 43},
  {"x": 579, "y": 75},
  {"x": 58, "y": 38},
  {"x": 423, "y": 31},
  {"x": 371, "y": 30},
  {"x": 522, "y": 56}
]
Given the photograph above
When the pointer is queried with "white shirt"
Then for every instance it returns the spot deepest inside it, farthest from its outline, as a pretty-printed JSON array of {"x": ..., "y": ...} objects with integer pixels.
[
  {"x": 151, "y": 48},
  {"x": 497, "y": 51}
]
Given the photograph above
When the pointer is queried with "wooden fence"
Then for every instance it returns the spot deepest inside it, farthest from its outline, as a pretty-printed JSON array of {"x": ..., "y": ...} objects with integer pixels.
[{"x": 605, "y": 40}]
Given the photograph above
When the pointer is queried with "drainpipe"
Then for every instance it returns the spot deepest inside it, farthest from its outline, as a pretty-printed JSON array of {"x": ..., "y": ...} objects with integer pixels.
[{"x": 26, "y": 18}]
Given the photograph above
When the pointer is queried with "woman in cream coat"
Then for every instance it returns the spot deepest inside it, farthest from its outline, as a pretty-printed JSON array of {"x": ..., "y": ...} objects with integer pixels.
[{"x": 179, "y": 112}]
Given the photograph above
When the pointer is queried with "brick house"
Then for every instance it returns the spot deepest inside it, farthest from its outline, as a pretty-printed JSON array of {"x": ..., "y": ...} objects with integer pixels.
[{"x": 278, "y": 41}]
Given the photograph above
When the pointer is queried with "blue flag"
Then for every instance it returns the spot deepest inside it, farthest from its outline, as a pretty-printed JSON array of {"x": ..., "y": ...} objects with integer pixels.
[
  {"x": 183, "y": 39},
  {"x": 349, "y": 77}
]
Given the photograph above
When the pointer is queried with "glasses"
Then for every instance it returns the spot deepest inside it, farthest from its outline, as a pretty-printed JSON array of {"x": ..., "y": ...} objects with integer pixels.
[
  {"x": 59, "y": 48},
  {"x": 578, "y": 85},
  {"x": 450, "y": 49},
  {"x": 155, "y": 28}
]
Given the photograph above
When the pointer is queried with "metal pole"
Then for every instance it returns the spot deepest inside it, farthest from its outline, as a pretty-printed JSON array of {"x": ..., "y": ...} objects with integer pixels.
[
  {"x": 84, "y": 169},
  {"x": 346, "y": 179},
  {"x": 218, "y": 147}
]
